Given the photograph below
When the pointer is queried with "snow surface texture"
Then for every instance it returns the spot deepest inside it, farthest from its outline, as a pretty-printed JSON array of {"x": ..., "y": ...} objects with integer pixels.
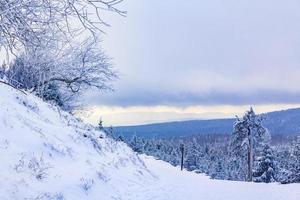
[{"x": 47, "y": 154}]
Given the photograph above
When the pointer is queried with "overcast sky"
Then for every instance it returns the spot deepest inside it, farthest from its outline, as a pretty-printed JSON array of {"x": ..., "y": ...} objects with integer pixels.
[{"x": 201, "y": 59}]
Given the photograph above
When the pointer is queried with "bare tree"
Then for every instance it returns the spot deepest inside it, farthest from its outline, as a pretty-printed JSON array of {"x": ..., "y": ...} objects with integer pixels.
[
  {"x": 41, "y": 34},
  {"x": 26, "y": 21},
  {"x": 87, "y": 66},
  {"x": 62, "y": 74}
]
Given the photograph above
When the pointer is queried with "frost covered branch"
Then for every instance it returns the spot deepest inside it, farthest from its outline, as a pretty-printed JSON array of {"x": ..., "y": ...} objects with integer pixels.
[{"x": 25, "y": 22}]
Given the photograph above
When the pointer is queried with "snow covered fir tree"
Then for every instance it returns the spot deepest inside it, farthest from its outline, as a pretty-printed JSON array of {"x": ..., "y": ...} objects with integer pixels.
[
  {"x": 249, "y": 134},
  {"x": 294, "y": 173},
  {"x": 265, "y": 166}
]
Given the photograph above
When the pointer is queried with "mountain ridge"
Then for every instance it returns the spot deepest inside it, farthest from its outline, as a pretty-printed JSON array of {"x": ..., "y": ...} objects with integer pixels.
[{"x": 282, "y": 122}]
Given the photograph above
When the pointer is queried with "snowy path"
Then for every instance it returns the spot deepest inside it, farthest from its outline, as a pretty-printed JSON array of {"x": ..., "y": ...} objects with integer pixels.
[{"x": 185, "y": 185}]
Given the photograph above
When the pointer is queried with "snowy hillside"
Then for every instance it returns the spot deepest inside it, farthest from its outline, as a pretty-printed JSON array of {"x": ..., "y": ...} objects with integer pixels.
[{"x": 48, "y": 154}]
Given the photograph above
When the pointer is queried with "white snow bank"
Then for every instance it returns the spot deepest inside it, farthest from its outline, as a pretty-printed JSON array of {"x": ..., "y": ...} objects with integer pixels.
[{"x": 49, "y": 154}]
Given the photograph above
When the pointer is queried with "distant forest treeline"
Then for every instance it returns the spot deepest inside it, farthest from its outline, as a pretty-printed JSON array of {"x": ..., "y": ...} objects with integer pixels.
[
  {"x": 286, "y": 122},
  {"x": 210, "y": 154}
]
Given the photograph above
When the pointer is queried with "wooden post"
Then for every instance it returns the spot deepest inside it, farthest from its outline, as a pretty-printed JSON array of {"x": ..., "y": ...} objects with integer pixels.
[
  {"x": 182, "y": 151},
  {"x": 250, "y": 156}
]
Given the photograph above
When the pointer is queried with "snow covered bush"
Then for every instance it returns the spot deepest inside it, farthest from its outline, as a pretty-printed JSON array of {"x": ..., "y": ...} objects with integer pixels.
[
  {"x": 36, "y": 167},
  {"x": 86, "y": 184}
]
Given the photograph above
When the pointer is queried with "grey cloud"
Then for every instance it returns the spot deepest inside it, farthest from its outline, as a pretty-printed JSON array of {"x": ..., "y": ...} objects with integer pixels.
[
  {"x": 144, "y": 98},
  {"x": 205, "y": 52}
]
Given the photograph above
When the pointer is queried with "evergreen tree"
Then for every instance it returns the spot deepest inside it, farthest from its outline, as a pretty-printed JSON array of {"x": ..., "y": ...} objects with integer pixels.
[
  {"x": 265, "y": 170},
  {"x": 110, "y": 132},
  {"x": 294, "y": 176},
  {"x": 121, "y": 138},
  {"x": 100, "y": 125},
  {"x": 192, "y": 156},
  {"x": 247, "y": 135},
  {"x": 136, "y": 144},
  {"x": 2, "y": 71}
]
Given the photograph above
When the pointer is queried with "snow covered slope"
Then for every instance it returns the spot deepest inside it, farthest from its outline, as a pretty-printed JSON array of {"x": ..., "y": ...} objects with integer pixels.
[
  {"x": 47, "y": 154},
  {"x": 190, "y": 186}
]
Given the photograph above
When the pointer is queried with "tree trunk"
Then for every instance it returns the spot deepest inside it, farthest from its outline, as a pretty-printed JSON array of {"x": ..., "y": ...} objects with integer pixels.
[
  {"x": 250, "y": 156},
  {"x": 251, "y": 160},
  {"x": 249, "y": 163}
]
